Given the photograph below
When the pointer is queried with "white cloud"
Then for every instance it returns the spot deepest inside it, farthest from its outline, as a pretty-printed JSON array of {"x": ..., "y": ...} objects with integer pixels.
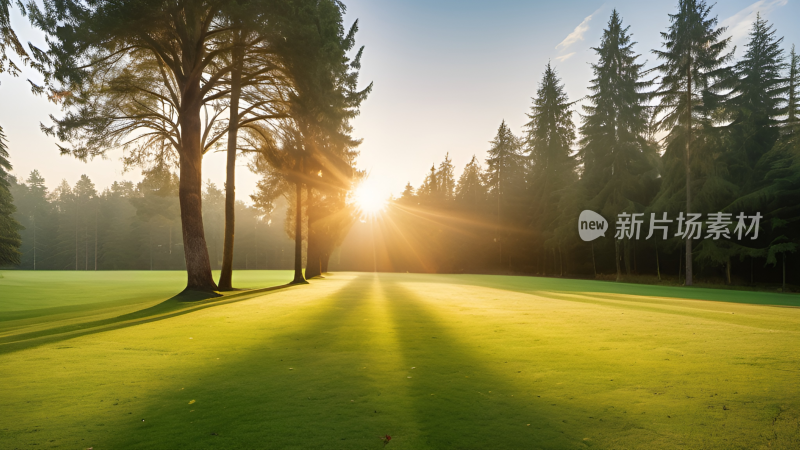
[
  {"x": 740, "y": 23},
  {"x": 564, "y": 57},
  {"x": 577, "y": 33}
]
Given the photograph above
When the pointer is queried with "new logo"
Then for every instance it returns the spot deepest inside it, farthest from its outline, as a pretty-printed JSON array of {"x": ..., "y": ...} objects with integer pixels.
[{"x": 591, "y": 225}]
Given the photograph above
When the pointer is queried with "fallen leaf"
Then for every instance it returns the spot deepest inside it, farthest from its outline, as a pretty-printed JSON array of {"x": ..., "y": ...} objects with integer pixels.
[{"x": 191, "y": 402}]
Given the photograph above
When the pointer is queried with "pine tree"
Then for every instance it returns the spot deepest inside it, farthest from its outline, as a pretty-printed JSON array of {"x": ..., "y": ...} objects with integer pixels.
[
  {"x": 792, "y": 126},
  {"x": 692, "y": 61},
  {"x": 550, "y": 135},
  {"x": 615, "y": 154},
  {"x": 10, "y": 240},
  {"x": 446, "y": 178},
  {"x": 470, "y": 190},
  {"x": 505, "y": 181},
  {"x": 408, "y": 196},
  {"x": 754, "y": 105}
]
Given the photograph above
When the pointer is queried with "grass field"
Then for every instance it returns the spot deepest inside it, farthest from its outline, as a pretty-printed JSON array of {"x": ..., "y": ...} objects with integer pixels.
[{"x": 435, "y": 361}]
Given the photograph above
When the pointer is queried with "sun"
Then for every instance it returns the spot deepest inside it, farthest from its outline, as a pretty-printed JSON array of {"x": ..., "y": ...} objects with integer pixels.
[{"x": 368, "y": 199}]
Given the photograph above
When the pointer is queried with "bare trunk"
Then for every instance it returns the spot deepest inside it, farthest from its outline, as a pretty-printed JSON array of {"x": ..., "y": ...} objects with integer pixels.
[
  {"x": 783, "y": 285},
  {"x": 728, "y": 271},
  {"x": 95, "y": 239},
  {"x": 658, "y": 265},
  {"x": 617, "y": 257},
  {"x": 226, "y": 274},
  {"x": 298, "y": 233},
  {"x": 198, "y": 265},
  {"x": 627, "y": 247},
  {"x": 687, "y": 163},
  {"x": 594, "y": 265},
  {"x": 323, "y": 262},
  {"x": 313, "y": 265}
]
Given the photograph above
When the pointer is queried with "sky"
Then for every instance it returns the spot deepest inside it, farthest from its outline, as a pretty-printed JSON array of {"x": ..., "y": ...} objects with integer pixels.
[{"x": 445, "y": 73}]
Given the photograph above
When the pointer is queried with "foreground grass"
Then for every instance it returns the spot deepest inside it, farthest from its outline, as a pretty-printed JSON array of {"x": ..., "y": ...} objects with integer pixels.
[{"x": 435, "y": 361}]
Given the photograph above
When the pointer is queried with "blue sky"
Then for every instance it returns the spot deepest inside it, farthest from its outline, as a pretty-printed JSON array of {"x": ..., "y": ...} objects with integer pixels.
[{"x": 446, "y": 74}]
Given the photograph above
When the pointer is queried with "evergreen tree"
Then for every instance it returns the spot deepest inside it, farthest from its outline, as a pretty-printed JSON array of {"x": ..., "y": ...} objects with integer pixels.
[
  {"x": 446, "y": 178},
  {"x": 471, "y": 190},
  {"x": 692, "y": 62},
  {"x": 429, "y": 190},
  {"x": 505, "y": 182},
  {"x": 408, "y": 196},
  {"x": 550, "y": 135},
  {"x": 754, "y": 106},
  {"x": 793, "y": 87},
  {"x": 10, "y": 240},
  {"x": 615, "y": 154}
]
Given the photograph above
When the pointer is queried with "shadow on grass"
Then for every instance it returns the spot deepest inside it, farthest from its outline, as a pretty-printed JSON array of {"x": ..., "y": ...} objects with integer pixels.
[
  {"x": 290, "y": 389},
  {"x": 528, "y": 284},
  {"x": 182, "y": 303},
  {"x": 324, "y": 383},
  {"x": 463, "y": 398}
]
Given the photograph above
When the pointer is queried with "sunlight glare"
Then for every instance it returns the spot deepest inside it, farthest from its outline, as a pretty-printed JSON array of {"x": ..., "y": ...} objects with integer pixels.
[{"x": 368, "y": 199}]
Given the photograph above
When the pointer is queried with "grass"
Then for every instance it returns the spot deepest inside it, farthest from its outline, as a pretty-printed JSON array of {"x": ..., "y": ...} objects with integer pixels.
[{"x": 435, "y": 361}]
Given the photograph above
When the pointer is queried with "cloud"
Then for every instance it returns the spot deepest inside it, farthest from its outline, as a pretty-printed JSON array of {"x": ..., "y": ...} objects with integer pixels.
[
  {"x": 564, "y": 57},
  {"x": 740, "y": 23},
  {"x": 578, "y": 32}
]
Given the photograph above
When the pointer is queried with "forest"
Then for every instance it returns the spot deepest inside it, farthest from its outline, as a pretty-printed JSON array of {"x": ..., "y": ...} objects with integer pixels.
[{"x": 700, "y": 132}]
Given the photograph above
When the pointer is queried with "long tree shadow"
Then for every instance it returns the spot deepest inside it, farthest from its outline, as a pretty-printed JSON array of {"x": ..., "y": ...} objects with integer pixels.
[
  {"x": 303, "y": 386},
  {"x": 455, "y": 382},
  {"x": 182, "y": 303}
]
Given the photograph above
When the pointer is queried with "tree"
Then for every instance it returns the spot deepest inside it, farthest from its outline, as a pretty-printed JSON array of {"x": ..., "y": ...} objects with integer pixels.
[
  {"x": 614, "y": 150},
  {"x": 550, "y": 135},
  {"x": 754, "y": 106},
  {"x": 446, "y": 177},
  {"x": 504, "y": 180},
  {"x": 10, "y": 240},
  {"x": 471, "y": 190},
  {"x": 143, "y": 76},
  {"x": 692, "y": 60}
]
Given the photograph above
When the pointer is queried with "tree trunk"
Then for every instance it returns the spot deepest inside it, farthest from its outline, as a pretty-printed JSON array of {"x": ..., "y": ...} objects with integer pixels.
[
  {"x": 627, "y": 247},
  {"x": 226, "y": 274},
  {"x": 687, "y": 164},
  {"x": 728, "y": 271},
  {"x": 298, "y": 232},
  {"x": 658, "y": 265},
  {"x": 313, "y": 265},
  {"x": 783, "y": 285},
  {"x": 95, "y": 239},
  {"x": 594, "y": 265},
  {"x": 323, "y": 262},
  {"x": 198, "y": 265},
  {"x": 617, "y": 257}
]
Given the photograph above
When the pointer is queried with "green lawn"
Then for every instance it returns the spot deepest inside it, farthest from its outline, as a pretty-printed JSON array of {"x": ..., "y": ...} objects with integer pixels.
[{"x": 435, "y": 361}]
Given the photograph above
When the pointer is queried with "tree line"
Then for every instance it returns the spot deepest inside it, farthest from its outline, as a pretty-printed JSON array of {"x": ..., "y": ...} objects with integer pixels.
[
  {"x": 167, "y": 81},
  {"x": 700, "y": 133},
  {"x": 131, "y": 226}
]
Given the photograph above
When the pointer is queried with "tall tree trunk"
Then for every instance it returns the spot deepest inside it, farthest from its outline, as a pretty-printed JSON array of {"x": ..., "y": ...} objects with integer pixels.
[
  {"x": 687, "y": 163},
  {"x": 594, "y": 265},
  {"x": 198, "y": 264},
  {"x": 626, "y": 244},
  {"x": 617, "y": 258},
  {"x": 226, "y": 274},
  {"x": 95, "y": 239},
  {"x": 658, "y": 265},
  {"x": 728, "y": 271},
  {"x": 313, "y": 266},
  {"x": 783, "y": 285},
  {"x": 298, "y": 232},
  {"x": 323, "y": 262}
]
